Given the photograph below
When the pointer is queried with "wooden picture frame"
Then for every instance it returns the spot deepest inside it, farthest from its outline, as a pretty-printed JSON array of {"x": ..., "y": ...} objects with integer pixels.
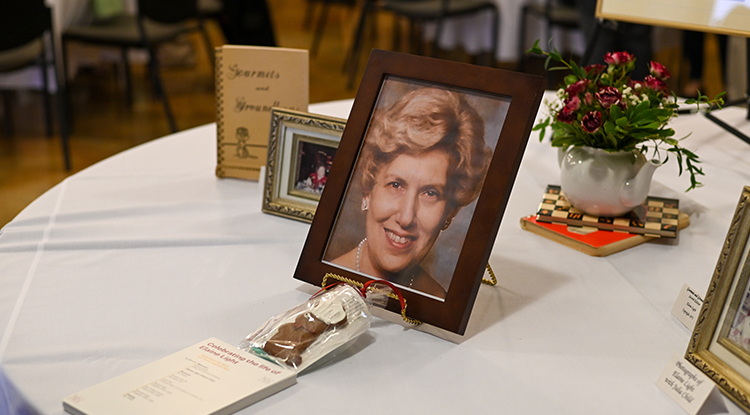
[
  {"x": 301, "y": 148},
  {"x": 720, "y": 344},
  {"x": 399, "y": 85}
]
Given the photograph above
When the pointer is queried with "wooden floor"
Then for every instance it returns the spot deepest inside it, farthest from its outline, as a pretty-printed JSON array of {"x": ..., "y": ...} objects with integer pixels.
[{"x": 31, "y": 163}]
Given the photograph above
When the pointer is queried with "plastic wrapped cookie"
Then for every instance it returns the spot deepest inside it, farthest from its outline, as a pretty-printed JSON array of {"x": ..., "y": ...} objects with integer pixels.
[{"x": 302, "y": 335}]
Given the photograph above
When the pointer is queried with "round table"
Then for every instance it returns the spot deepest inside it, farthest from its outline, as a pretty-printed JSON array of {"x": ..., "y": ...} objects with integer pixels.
[{"x": 149, "y": 252}]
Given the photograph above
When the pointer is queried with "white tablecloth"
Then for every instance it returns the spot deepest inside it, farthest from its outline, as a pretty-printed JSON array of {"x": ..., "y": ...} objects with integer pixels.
[{"x": 148, "y": 252}]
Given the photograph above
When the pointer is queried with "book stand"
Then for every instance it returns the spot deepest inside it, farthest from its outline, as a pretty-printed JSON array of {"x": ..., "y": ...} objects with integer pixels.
[{"x": 491, "y": 281}]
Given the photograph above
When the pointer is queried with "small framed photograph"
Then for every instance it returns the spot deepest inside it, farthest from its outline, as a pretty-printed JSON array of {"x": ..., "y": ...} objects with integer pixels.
[
  {"x": 422, "y": 177},
  {"x": 720, "y": 344},
  {"x": 301, "y": 149}
]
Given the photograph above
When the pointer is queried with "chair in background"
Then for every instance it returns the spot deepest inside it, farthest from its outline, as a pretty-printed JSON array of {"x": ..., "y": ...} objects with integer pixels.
[
  {"x": 26, "y": 26},
  {"x": 322, "y": 17},
  {"x": 419, "y": 12},
  {"x": 554, "y": 14},
  {"x": 156, "y": 23},
  {"x": 247, "y": 22}
]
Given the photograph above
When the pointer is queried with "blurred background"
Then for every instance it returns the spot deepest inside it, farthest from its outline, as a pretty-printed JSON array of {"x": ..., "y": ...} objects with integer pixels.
[{"x": 105, "y": 123}]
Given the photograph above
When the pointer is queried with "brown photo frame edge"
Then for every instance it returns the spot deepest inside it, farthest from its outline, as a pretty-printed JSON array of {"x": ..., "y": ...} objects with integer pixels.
[{"x": 525, "y": 93}]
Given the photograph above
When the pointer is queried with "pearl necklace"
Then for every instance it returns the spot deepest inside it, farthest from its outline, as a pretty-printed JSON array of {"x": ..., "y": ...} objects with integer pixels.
[{"x": 359, "y": 251}]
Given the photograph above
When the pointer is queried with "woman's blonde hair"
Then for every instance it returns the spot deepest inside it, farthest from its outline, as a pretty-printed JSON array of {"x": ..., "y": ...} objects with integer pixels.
[{"x": 429, "y": 119}]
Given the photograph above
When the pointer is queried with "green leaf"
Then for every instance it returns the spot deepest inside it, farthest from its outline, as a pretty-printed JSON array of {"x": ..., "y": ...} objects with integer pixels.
[
  {"x": 665, "y": 134},
  {"x": 615, "y": 112},
  {"x": 536, "y": 49},
  {"x": 610, "y": 128},
  {"x": 611, "y": 141},
  {"x": 577, "y": 71}
]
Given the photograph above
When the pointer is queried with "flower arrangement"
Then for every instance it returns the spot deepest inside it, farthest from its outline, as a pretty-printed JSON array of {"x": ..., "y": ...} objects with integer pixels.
[{"x": 601, "y": 106}]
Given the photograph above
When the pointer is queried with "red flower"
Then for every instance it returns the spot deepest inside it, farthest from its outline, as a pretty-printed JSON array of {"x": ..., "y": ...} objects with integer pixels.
[
  {"x": 618, "y": 58},
  {"x": 577, "y": 87},
  {"x": 608, "y": 96},
  {"x": 573, "y": 103},
  {"x": 588, "y": 98},
  {"x": 659, "y": 71},
  {"x": 566, "y": 115},
  {"x": 595, "y": 69},
  {"x": 655, "y": 84},
  {"x": 591, "y": 121}
]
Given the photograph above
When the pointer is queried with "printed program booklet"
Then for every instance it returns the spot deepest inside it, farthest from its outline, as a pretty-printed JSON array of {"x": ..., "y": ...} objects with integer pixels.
[
  {"x": 211, "y": 377},
  {"x": 250, "y": 80}
]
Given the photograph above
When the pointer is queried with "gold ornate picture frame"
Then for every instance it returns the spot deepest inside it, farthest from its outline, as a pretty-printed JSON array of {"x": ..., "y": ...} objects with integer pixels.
[
  {"x": 301, "y": 148},
  {"x": 421, "y": 180},
  {"x": 720, "y": 344}
]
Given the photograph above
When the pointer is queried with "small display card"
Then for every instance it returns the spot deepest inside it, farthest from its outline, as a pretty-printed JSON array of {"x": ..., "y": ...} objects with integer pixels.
[
  {"x": 209, "y": 378},
  {"x": 685, "y": 384},
  {"x": 687, "y": 306}
]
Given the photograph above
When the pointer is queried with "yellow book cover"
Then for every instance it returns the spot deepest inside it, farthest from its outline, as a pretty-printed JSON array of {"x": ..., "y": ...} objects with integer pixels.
[{"x": 250, "y": 80}]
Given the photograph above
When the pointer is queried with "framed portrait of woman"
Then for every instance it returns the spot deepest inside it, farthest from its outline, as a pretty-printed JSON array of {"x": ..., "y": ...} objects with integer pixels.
[
  {"x": 720, "y": 345},
  {"x": 422, "y": 176}
]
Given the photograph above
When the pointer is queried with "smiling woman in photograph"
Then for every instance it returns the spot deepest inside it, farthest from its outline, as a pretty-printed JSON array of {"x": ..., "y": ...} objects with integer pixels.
[{"x": 424, "y": 159}]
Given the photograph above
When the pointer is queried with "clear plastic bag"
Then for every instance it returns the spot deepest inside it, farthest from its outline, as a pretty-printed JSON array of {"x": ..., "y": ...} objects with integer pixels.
[{"x": 304, "y": 334}]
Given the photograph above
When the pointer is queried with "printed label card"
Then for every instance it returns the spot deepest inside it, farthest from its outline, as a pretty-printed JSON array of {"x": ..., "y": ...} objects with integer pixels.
[
  {"x": 250, "y": 80},
  {"x": 685, "y": 384},
  {"x": 687, "y": 306}
]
